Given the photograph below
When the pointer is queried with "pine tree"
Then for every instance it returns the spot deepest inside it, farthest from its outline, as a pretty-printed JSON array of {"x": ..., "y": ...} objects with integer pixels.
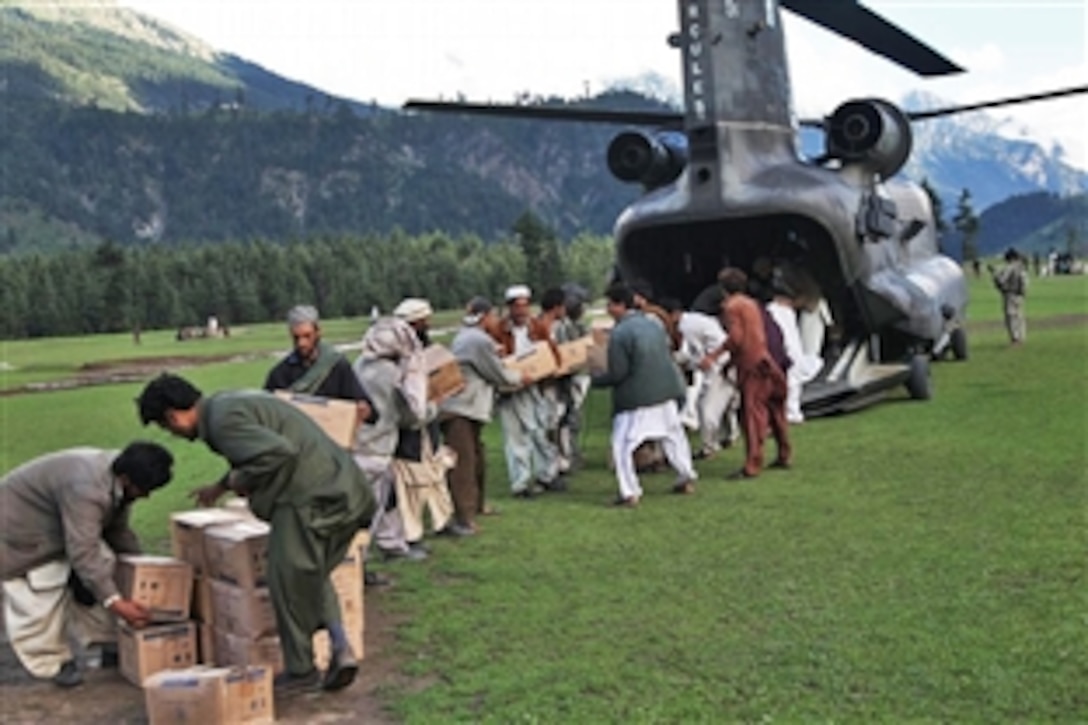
[
  {"x": 966, "y": 223},
  {"x": 543, "y": 263}
]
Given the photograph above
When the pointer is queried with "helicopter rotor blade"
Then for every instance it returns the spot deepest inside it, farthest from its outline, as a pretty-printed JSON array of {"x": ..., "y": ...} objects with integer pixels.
[
  {"x": 950, "y": 110},
  {"x": 663, "y": 119},
  {"x": 966, "y": 107},
  {"x": 863, "y": 26}
]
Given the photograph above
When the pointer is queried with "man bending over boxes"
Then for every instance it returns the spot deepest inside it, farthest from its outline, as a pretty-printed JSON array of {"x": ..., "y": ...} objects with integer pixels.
[
  {"x": 64, "y": 518},
  {"x": 298, "y": 480}
]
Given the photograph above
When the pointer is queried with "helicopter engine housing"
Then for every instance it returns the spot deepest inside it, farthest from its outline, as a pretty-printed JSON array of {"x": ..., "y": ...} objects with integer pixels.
[
  {"x": 871, "y": 133},
  {"x": 652, "y": 160}
]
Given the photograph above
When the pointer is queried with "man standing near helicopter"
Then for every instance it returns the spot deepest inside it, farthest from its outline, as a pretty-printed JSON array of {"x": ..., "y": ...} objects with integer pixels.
[{"x": 1012, "y": 282}]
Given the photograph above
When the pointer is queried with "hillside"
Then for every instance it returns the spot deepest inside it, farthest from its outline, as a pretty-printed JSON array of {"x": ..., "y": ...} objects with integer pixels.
[
  {"x": 77, "y": 175},
  {"x": 1031, "y": 223},
  {"x": 96, "y": 53}
]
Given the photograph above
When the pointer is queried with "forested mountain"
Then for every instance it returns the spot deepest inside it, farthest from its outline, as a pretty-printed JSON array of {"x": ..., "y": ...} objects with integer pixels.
[
  {"x": 75, "y": 174},
  {"x": 1034, "y": 223}
]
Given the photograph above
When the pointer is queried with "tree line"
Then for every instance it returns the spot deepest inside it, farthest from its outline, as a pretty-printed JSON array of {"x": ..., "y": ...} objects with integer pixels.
[{"x": 111, "y": 288}]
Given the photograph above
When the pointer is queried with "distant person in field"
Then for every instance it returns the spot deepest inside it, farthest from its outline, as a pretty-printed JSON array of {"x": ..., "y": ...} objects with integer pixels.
[
  {"x": 64, "y": 519},
  {"x": 1012, "y": 282},
  {"x": 464, "y": 414},
  {"x": 762, "y": 382},
  {"x": 532, "y": 460},
  {"x": 303, "y": 484},
  {"x": 647, "y": 389}
]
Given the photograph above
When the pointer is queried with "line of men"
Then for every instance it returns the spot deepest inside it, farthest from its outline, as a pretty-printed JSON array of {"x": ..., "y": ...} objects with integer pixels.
[{"x": 66, "y": 514}]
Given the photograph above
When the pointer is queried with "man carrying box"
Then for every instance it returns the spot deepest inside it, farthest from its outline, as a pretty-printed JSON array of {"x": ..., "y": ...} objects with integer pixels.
[
  {"x": 64, "y": 518},
  {"x": 315, "y": 367},
  {"x": 531, "y": 459},
  {"x": 298, "y": 480},
  {"x": 465, "y": 414}
]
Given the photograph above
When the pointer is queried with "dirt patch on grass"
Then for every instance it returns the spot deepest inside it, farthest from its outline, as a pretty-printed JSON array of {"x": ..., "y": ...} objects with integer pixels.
[
  {"x": 107, "y": 698},
  {"x": 1056, "y": 322},
  {"x": 127, "y": 370}
]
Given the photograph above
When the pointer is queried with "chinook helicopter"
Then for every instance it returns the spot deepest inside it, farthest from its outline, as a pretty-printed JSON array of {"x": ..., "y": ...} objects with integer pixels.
[{"x": 724, "y": 185}]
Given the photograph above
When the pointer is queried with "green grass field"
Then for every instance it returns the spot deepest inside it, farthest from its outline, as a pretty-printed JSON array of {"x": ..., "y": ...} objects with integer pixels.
[{"x": 921, "y": 562}]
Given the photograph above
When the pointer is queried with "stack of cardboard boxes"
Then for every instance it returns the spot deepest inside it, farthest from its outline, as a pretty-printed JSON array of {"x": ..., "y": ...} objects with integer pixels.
[
  {"x": 187, "y": 542},
  {"x": 242, "y": 619},
  {"x": 228, "y": 550},
  {"x": 164, "y": 587}
]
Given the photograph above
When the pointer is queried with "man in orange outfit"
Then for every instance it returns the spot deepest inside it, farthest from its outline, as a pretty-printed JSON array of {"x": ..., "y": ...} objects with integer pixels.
[{"x": 760, "y": 379}]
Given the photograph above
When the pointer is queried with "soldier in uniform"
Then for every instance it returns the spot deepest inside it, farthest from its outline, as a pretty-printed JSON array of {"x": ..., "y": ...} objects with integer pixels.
[
  {"x": 298, "y": 480},
  {"x": 1012, "y": 282}
]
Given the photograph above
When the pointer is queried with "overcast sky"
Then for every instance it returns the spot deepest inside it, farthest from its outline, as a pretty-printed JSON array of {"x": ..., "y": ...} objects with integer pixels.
[{"x": 491, "y": 49}]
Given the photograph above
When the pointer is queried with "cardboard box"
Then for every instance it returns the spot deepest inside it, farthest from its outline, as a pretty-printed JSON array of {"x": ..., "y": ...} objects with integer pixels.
[
  {"x": 322, "y": 648},
  {"x": 205, "y": 640},
  {"x": 238, "y": 505},
  {"x": 236, "y": 650},
  {"x": 202, "y": 609},
  {"x": 347, "y": 581},
  {"x": 600, "y": 332},
  {"x": 187, "y": 533},
  {"x": 574, "y": 355},
  {"x": 161, "y": 584},
  {"x": 338, "y": 418},
  {"x": 539, "y": 363},
  {"x": 250, "y": 697},
  {"x": 358, "y": 545},
  {"x": 347, "y": 576},
  {"x": 237, "y": 552},
  {"x": 143, "y": 652},
  {"x": 444, "y": 378},
  {"x": 243, "y": 611},
  {"x": 211, "y": 696}
]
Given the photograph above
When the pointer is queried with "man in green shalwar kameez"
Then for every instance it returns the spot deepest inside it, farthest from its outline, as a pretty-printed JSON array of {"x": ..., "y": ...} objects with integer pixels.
[{"x": 298, "y": 480}]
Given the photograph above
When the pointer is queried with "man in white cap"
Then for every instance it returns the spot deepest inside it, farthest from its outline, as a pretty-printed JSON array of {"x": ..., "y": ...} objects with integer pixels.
[
  {"x": 417, "y": 312},
  {"x": 532, "y": 460}
]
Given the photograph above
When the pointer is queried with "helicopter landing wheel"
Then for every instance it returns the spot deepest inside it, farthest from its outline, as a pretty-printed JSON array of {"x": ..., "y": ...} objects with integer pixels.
[
  {"x": 918, "y": 384},
  {"x": 958, "y": 343}
]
